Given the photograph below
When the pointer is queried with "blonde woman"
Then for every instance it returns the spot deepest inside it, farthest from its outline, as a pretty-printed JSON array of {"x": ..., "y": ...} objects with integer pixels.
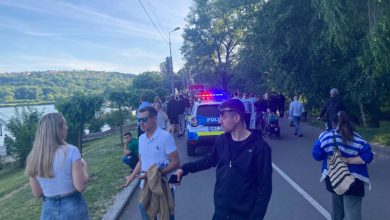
[{"x": 56, "y": 171}]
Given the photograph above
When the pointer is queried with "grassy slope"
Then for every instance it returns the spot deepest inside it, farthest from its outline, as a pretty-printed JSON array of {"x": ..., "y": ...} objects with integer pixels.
[{"x": 106, "y": 175}]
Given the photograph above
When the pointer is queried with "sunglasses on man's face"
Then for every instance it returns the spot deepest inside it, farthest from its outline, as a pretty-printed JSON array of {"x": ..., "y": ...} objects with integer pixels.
[
  {"x": 144, "y": 120},
  {"x": 222, "y": 112}
]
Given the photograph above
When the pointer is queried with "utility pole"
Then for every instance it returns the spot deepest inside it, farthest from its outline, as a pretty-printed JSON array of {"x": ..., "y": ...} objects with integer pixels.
[{"x": 170, "y": 61}]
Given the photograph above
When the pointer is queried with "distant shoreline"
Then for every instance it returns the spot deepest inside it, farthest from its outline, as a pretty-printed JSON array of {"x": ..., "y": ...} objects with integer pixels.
[{"x": 4, "y": 105}]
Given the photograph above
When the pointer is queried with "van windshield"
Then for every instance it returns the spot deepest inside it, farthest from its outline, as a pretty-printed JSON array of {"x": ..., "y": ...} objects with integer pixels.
[{"x": 208, "y": 111}]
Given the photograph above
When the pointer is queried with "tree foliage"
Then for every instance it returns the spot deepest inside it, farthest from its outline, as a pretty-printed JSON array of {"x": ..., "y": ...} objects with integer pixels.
[
  {"x": 51, "y": 85},
  {"x": 212, "y": 37},
  {"x": 148, "y": 80},
  {"x": 22, "y": 127},
  {"x": 78, "y": 111},
  {"x": 303, "y": 47}
]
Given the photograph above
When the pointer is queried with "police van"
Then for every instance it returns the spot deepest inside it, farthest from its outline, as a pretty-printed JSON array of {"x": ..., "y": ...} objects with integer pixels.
[{"x": 203, "y": 124}]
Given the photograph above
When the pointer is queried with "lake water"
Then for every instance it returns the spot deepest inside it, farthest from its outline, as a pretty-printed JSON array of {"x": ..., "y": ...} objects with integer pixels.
[{"x": 7, "y": 112}]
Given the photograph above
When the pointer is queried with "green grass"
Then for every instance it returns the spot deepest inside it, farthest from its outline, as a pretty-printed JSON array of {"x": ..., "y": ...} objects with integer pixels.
[
  {"x": 106, "y": 172},
  {"x": 380, "y": 136}
]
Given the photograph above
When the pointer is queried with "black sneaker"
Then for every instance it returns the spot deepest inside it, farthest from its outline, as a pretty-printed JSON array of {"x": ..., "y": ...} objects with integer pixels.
[
  {"x": 295, "y": 133},
  {"x": 301, "y": 135}
]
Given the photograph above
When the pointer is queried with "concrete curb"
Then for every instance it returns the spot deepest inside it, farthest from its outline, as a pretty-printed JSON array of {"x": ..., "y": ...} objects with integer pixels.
[{"x": 120, "y": 201}]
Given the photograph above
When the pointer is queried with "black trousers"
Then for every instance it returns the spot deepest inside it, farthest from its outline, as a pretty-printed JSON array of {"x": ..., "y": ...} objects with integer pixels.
[{"x": 281, "y": 110}]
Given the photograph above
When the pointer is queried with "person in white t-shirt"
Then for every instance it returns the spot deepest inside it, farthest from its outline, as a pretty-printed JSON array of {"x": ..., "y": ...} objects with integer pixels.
[
  {"x": 56, "y": 171},
  {"x": 155, "y": 146}
]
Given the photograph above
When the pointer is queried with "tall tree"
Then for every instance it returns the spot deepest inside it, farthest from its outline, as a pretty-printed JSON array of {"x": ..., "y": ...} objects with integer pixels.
[
  {"x": 212, "y": 37},
  {"x": 120, "y": 99},
  {"x": 148, "y": 80},
  {"x": 78, "y": 110}
]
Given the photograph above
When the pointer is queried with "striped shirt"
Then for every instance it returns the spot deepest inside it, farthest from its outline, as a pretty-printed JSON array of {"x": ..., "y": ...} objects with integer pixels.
[{"x": 324, "y": 146}]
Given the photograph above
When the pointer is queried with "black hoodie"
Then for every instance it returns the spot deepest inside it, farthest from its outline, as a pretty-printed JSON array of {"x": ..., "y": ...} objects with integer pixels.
[
  {"x": 243, "y": 177},
  {"x": 332, "y": 107}
]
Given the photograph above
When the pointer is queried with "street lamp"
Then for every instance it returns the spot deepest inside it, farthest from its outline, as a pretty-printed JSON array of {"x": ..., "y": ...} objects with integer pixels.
[{"x": 170, "y": 59}]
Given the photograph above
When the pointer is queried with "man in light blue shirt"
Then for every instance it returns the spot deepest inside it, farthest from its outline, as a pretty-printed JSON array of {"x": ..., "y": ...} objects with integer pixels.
[{"x": 295, "y": 112}]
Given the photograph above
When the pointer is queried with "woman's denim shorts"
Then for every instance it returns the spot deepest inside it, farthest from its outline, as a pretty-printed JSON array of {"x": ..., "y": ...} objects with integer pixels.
[{"x": 72, "y": 207}]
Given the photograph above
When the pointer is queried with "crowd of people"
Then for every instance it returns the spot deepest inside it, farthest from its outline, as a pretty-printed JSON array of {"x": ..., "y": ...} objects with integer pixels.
[{"x": 58, "y": 173}]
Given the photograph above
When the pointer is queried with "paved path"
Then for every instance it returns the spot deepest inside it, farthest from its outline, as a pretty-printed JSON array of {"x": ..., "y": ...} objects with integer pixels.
[{"x": 297, "y": 191}]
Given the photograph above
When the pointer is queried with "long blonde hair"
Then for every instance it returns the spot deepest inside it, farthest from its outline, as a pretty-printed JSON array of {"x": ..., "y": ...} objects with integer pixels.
[{"x": 47, "y": 140}]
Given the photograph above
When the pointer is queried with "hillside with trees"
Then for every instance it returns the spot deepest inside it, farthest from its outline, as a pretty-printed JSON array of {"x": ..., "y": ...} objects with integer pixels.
[{"x": 48, "y": 86}]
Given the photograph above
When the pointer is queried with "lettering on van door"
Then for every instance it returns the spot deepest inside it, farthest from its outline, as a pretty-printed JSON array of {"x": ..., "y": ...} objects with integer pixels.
[{"x": 213, "y": 120}]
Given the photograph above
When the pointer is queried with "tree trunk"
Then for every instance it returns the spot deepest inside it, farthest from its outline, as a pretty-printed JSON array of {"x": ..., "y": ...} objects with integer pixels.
[
  {"x": 369, "y": 114},
  {"x": 80, "y": 139},
  {"x": 363, "y": 115},
  {"x": 224, "y": 80}
]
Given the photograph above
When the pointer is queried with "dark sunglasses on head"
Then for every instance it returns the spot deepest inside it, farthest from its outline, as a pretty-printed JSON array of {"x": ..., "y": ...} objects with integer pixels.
[
  {"x": 144, "y": 120},
  {"x": 222, "y": 112}
]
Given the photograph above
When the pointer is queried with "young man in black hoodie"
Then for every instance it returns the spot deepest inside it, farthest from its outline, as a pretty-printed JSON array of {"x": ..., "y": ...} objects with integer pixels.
[{"x": 244, "y": 169}]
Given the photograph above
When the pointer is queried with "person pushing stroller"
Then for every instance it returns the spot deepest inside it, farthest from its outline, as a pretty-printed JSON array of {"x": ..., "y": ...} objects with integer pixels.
[{"x": 271, "y": 123}]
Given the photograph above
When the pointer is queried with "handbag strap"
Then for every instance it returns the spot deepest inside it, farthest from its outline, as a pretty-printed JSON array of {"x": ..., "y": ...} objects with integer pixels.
[{"x": 335, "y": 141}]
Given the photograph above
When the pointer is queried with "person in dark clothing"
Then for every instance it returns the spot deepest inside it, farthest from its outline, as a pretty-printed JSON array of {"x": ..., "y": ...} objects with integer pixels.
[
  {"x": 260, "y": 107},
  {"x": 244, "y": 168},
  {"x": 281, "y": 100},
  {"x": 270, "y": 102},
  {"x": 332, "y": 107},
  {"x": 187, "y": 103},
  {"x": 182, "y": 108},
  {"x": 173, "y": 113},
  {"x": 130, "y": 150}
]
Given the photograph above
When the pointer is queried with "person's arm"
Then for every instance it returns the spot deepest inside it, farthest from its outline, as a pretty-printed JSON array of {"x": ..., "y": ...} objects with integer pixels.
[
  {"x": 125, "y": 147},
  {"x": 264, "y": 181},
  {"x": 365, "y": 156},
  {"x": 318, "y": 153},
  {"x": 174, "y": 163},
  {"x": 210, "y": 160},
  {"x": 35, "y": 187},
  {"x": 353, "y": 160},
  {"x": 80, "y": 174},
  {"x": 133, "y": 174}
]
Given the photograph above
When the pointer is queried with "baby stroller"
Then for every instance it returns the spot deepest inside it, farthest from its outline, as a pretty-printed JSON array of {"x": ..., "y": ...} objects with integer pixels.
[{"x": 271, "y": 126}]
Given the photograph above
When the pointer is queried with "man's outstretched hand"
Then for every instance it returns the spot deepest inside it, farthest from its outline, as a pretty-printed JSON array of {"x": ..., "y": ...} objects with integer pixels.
[{"x": 179, "y": 173}]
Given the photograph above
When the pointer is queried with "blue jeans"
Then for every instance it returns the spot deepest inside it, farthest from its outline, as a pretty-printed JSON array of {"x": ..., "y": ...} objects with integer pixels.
[
  {"x": 346, "y": 207},
  {"x": 126, "y": 160},
  {"x": 297, "y": 123},
  {"x": 71, "y": 206},
  {"x": 144, "y": 215}
]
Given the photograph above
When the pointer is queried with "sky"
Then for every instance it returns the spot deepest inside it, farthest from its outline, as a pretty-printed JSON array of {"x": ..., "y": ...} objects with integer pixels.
[{"x": 99, "y": 35}]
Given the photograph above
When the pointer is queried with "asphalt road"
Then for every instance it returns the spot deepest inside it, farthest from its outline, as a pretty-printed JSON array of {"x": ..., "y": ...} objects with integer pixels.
[{"x": 297, "y": 192}]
